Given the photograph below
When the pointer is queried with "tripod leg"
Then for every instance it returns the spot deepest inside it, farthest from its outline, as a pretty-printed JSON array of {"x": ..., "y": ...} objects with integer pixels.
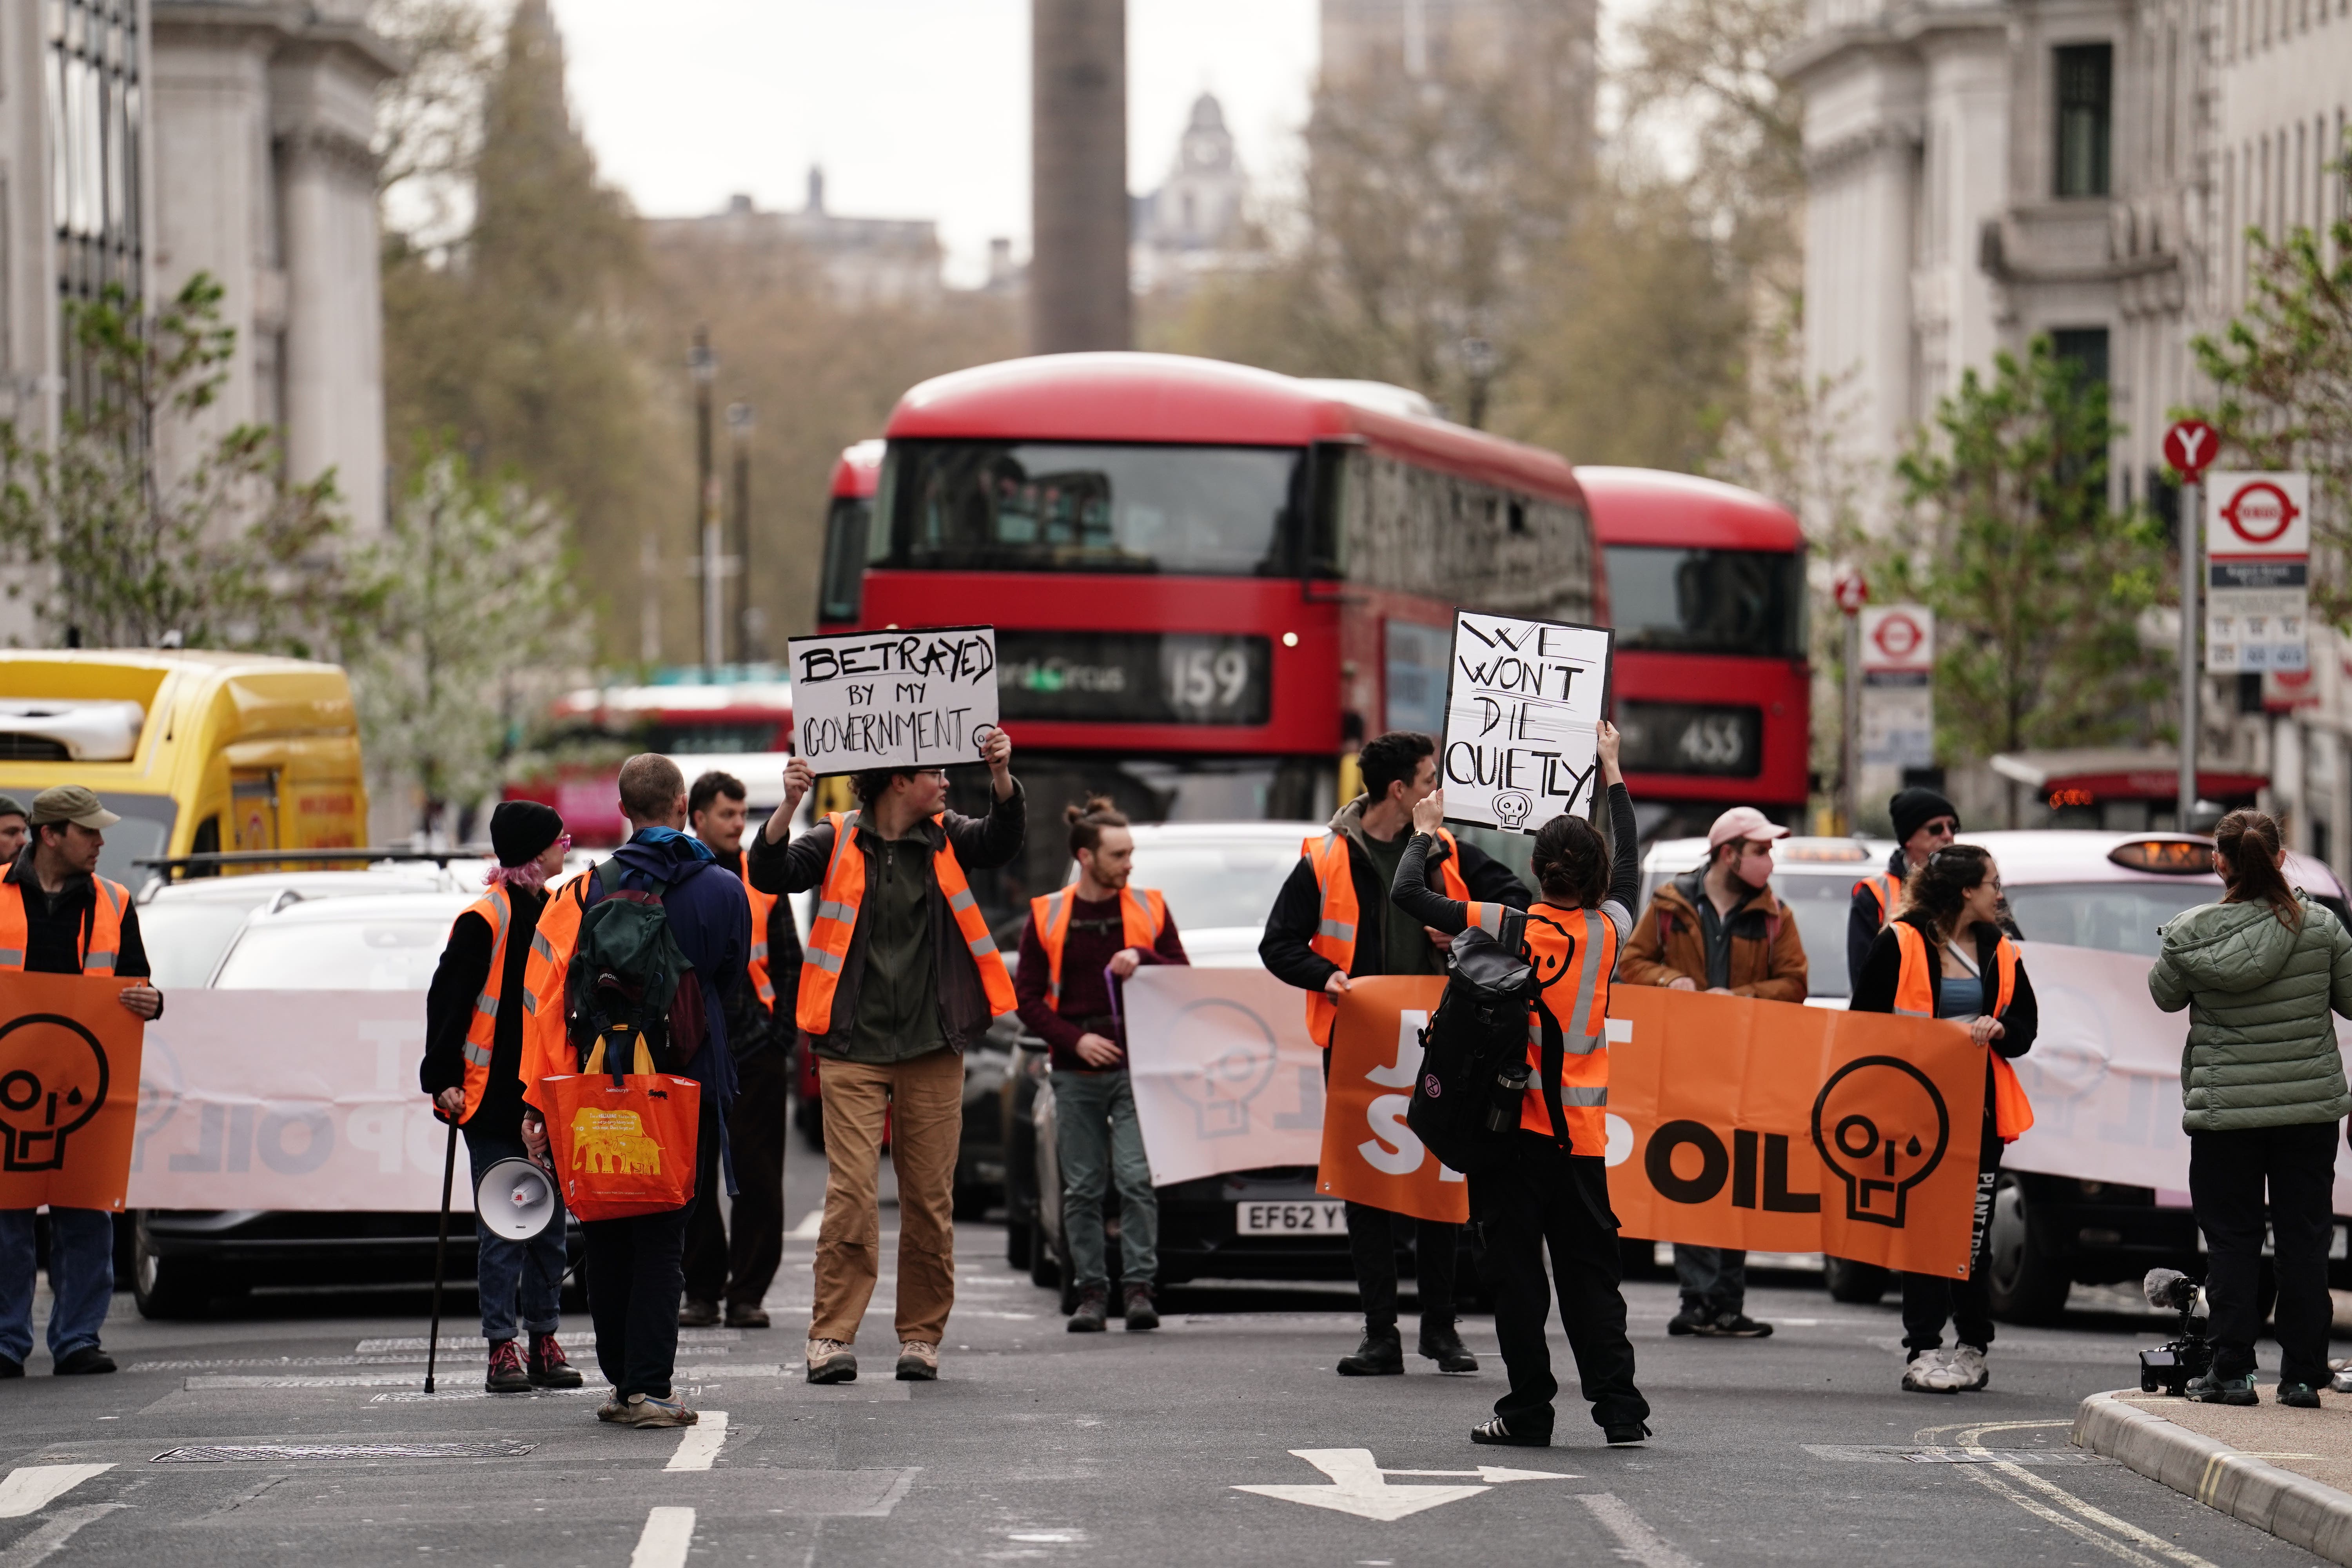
[{"x": 440, "y": 1257}]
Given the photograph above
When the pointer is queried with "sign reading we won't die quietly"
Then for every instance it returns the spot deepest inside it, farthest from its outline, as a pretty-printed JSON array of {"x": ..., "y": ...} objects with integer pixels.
[
  {"x": 2258, "y": 571},
  {"x": 900, "y": 698},
  {"x": 1523, "y": 705}
]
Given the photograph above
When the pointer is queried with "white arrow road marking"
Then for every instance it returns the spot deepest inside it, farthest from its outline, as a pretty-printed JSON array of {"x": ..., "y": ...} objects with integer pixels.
[
  {"x": 30, "y": 1487},
  {"x": 1359, "y": 1488},
  {"x": 667, "y": 1534},
  {"x": 1636, "y": 1541},
  {"x": 701, "y": 1443},
  {"x": 53, "y": 1533},
  {"x": 1493, "y": 1475}
]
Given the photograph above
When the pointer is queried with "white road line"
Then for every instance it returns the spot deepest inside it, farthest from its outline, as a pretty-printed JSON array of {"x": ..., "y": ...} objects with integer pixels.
[
  {"x": 700, "y": 1443},
  {"x": 807, "y": 1228},
  {"x": 668, "y": 1532},
  {"x": 2086, "y": 1515},
  {"x": 1636, "y": 1541},
  {"x": 53, "y": 1533},
  {"x": 32, "y": 1486}
]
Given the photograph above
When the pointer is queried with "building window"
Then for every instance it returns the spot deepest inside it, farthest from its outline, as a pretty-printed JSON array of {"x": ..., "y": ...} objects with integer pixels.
[
  {"x": 2085, "y": 348},
  {"x": 2085, "y": 118},
  {"x": 92, "y": 81}
]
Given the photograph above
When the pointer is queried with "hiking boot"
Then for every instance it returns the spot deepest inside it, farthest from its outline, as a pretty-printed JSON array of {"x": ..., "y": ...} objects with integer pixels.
[
  {"x": 1739, "y": 1326},
  {"x": 1930, "y": 1371},
  {"x": 697, "y": 1314},
  {"x": 507, "y": 1375},
  {"x": 2215, "y": 1389},
  {"x": 830, "y": 1361},
  {"x": 1626, "y": 1435},
  {"x": 1380, "y": 1355},
  {"x": 644, "y": 1410},
  {"x": 84, "y": 1362},
  {"x": 2298, "y": 1395},
  {"x": 1093, "y": 1311},
  {"x": 1497, "y": 1432},
  {"x": 1442, "y": 1343},
  {"x": 615, "y": 1408},
  {"x": 746, "y": 1315},
  {"x": 1140, "y": 1313},
  {"x": 1967, "y": 1364},
  {"x": 919, "y": 1362},
  {"x": 549, "y": 1368},
  {"x": 1696, "y": 1318}
]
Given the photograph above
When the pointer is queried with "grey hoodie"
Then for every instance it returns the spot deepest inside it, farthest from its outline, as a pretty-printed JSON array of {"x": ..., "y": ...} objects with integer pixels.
[{"x": 2261, "y": 1047}]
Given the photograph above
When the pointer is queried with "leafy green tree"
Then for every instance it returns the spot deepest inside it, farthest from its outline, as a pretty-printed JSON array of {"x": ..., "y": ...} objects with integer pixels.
[
  {"x": 224, "y": 553},
  {"x": 2036, "y": 582}
]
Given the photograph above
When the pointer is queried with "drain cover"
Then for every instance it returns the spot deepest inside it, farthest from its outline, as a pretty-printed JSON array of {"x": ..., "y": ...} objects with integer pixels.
[{"x": 213, "y": 1455}]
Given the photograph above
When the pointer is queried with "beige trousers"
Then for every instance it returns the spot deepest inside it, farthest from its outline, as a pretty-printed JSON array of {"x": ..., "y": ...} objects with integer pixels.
[{"x": 921, "y": 1100}]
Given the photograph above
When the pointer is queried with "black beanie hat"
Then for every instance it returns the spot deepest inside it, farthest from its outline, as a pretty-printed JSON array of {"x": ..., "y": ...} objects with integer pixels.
[
  {"x": 1910, "y": 809},
  {"x": 520, "y": 829}
]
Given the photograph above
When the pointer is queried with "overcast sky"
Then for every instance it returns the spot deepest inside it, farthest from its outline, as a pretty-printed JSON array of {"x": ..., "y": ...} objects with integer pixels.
[{"x": 915, "y": 107}]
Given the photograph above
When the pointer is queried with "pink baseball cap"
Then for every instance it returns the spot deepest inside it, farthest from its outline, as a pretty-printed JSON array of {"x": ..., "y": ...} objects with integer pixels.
[{"x": 1743, "y": 822}]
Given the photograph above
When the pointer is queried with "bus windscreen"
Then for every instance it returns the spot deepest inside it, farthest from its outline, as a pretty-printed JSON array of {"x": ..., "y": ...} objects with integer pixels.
[
  {"x": 1664, "y": 599},
  {"x": 1036, "y": 506}
]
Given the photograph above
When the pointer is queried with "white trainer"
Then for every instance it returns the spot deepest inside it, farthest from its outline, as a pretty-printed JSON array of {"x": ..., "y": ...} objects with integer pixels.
[
  {"x": 1967, "y": 1363},
  {"x": 1929, "y": 1372}
]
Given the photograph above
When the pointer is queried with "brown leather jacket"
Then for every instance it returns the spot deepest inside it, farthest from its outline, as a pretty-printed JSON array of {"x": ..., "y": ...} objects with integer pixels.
[{"x": 1767, "y": 956}]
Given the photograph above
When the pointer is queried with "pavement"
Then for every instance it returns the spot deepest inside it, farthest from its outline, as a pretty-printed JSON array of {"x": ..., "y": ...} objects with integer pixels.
[{"x": 295, "y": 1431}]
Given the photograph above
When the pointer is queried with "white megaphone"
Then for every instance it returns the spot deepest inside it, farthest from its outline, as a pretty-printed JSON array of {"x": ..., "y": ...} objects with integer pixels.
[{"x": 516, "y": 1199}]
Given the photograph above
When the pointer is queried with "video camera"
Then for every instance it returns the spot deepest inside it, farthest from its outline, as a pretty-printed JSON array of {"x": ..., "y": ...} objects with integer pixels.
[{"x": 2168, "y": 1367}]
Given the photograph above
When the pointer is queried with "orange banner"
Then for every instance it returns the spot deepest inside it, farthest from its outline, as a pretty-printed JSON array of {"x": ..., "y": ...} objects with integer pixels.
[
  {"x": 68, "y": 1091},
  {"x": 1370, "y": 1155}
]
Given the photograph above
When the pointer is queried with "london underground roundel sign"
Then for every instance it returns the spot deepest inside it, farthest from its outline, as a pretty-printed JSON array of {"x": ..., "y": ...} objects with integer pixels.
[{"x": 2259, "y": 513}]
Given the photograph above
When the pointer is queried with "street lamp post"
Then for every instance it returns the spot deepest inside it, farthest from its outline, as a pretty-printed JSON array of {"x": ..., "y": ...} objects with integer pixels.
[
  {"x": 704, "y": 367},
  {"x": 1478, "y": 367},
  {"x": 749, "y": 622}
]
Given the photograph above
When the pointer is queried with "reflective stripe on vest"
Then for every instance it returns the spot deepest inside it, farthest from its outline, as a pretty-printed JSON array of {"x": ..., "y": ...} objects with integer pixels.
[
  {"x": 102, "y": 947},
  {"x": 1335, "y": 929},
  {"x": 763, "y": 905},
  {"x": 1143, "y": 915},
  {"x": 1914, "y": 997},
  {"x": 1586, "y": 942},
  {"x": 838, "y": 899},
  {"x": 1884, "y": 891},
  {"x": 495, "y": 906}
]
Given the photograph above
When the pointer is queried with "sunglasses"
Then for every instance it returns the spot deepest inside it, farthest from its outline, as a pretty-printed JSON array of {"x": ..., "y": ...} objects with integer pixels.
[
  {"x": 1943, "y": 827},
  {"x": 563, "y": 841}
]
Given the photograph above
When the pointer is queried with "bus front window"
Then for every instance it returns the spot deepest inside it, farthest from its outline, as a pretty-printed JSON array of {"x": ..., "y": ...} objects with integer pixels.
[
  {"x": 842, "y": 594},
  {"x": 1667, "y": 600}
]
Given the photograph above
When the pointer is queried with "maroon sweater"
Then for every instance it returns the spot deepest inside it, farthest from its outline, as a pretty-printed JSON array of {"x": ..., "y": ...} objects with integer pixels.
[{"x": 1096, "y": 933}]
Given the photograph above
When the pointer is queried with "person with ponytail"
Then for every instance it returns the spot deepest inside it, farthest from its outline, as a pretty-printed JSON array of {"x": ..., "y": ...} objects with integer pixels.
[
  {"x": 2262, "y": 1089},
  {"x": 1554, "y": 1191},
  {"x": 1945, "y": 955}
]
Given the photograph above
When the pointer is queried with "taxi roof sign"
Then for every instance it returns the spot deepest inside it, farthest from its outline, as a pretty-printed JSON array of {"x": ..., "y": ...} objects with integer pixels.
[{"x": 2182, "y": 857}]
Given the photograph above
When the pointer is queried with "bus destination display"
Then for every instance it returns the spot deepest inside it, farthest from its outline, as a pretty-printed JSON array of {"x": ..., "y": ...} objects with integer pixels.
[
  {"x": 921, "y": 698},
  {"x": 1523, "y": 704},
  {"x": 1135, "y": 677}
]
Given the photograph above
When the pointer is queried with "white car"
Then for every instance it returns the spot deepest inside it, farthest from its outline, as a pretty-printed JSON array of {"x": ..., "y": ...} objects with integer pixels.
[{"x": 186, "y": 926}]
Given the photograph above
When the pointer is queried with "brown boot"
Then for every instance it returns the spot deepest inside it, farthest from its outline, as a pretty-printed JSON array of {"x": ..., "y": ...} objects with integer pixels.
[{"x": 1140, "y": 1313}]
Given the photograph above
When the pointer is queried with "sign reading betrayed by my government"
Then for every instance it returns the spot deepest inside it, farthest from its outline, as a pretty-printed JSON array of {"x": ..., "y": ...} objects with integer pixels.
[
  {"x": 919, "y": 698},
  {"x": 1522, "y": 709}
]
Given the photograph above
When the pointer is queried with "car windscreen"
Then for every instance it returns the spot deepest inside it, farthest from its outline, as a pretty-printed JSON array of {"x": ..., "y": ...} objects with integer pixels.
[
  {"x": 1215, "y": 884},
  {"x": 377, "y": 953},
  {"x": 2114, "y": 917},
  {"x": 185, "y": 938},
  {"x": 1820, "y": 902}
]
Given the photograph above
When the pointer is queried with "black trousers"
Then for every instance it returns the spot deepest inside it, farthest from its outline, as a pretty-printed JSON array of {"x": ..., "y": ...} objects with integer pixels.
[
  {"x": 1544, "y": 1197},
  {"x": 2227, "y": 1174},
  {"x": 739, "y": 1270},
  {"x": 635, "y": 1272},
  {"x": 1930, "y": 1301},
  {"x": 1372, "y": 1238}
]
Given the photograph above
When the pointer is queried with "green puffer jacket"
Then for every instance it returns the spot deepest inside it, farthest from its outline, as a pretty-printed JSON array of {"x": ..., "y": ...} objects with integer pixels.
[{"x": 2261, "y": 1047}]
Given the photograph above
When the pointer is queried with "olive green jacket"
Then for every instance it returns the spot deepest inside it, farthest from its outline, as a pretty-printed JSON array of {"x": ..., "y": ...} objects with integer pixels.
[{"x": 2262, "y": 1047}]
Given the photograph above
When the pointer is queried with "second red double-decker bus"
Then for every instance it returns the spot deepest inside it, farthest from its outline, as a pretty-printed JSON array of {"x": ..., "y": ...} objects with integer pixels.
[
  {"x": 1710, "y": 682},
  {"x": 1209, "y": 583}
]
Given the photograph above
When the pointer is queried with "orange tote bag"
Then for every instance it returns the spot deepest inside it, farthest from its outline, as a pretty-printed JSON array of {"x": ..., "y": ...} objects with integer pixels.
[{"x": 625, "y": 1141}]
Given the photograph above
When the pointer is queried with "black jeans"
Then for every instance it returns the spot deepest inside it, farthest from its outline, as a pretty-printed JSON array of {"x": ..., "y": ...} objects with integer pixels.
[
  {"x": 1372, "y": 1238},
  {"x": 739, "y": 1270},
  {"x": 2227, "y": 1172},
  {"x": 634, "y": 1276},
  {"x": 1930, "y": 1301},
  {"x": 1546, "y": 1197}
]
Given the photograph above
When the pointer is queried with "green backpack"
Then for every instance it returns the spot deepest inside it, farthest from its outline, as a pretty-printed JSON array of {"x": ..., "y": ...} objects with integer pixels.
[{"x": 629, "y": 981}]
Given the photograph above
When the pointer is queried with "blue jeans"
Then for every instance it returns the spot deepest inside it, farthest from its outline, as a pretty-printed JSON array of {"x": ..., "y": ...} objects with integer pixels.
[
  {"x": 1715, "y": 1278},
  {"x": 82, "y": 1278},
  {"x": 1098, "y": 1138},
  {"x": 530, "y": 1272}
]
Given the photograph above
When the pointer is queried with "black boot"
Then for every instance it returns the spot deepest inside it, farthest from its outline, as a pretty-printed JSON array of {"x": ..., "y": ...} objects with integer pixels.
[
  {"x": 1380, "y": 1355},
  {"x": 1442, "y": 1343},
  {"x": 1140, "y": 1313}
]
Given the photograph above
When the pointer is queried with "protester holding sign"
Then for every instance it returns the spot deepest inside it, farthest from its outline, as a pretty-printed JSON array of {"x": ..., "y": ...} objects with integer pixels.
[
  {"x": 1333, "y": 920},
  {"x": 473, "y": 1070},
  {"x": 899, "y": 976},
  {"x": 1554, "y": 1191},
  {"x": 2262, "y": 1089},
  {"x": 1924, "y": 823},
  {"x": 58, "y": 916},
  {"x": 1946, "y": 956}
]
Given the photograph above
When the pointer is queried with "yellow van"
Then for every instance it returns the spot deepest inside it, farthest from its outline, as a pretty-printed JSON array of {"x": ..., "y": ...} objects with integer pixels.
[{"x": 198, "y": 751}]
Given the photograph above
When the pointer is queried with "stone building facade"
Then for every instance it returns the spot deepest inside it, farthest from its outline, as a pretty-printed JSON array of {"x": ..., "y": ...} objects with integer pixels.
[
  {"x": 862, "y": 260},
  {"x": 1196, "y": 223}
]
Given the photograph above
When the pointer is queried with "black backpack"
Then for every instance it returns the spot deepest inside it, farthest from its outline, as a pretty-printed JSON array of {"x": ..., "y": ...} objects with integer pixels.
[
  {"x": 1473, "y": 1051},
  {"x": 629, "y": 982}
]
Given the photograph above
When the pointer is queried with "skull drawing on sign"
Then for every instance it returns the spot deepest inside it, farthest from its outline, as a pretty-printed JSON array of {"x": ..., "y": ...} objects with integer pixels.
[
  {"x": 1880, "y": 1124},
  {"x": 1229, "y": 1058},
  {"x": 1512, "y": 807},
  {"x": 53, "y": 1079}
]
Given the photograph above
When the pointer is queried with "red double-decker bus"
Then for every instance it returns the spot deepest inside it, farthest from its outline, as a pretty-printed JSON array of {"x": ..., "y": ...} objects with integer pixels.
[
  {"x": 1209, "y": 583},
  {"x": 1710, "y": 681}
]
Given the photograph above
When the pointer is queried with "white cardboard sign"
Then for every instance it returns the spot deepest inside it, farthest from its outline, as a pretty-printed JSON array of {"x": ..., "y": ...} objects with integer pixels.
[
  {"x": 1523, "y": 707},
  {"x": 924, "y": 698}
]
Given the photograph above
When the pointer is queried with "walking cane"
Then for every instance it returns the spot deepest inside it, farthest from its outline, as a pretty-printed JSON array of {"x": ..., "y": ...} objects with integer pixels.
[{"x": 440, "y": 1256}]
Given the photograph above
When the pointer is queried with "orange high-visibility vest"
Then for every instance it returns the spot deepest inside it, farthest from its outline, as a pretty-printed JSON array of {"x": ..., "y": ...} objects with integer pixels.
[
  {"x": 1884, "y": 891},
  {"x": 756, "y": 966},
  {"x": 1335, "y": 930},
  {"x": 1574, "y": 953},
  {"x": 1143, "y": 915},
  {"x": 101, "y": 943},
  {"x": 2012, "y": 1113},
  {"x": 497, "y": 907},
  {"x": 844, "y": 889},
  {"x": 546, "y": 1047}
]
